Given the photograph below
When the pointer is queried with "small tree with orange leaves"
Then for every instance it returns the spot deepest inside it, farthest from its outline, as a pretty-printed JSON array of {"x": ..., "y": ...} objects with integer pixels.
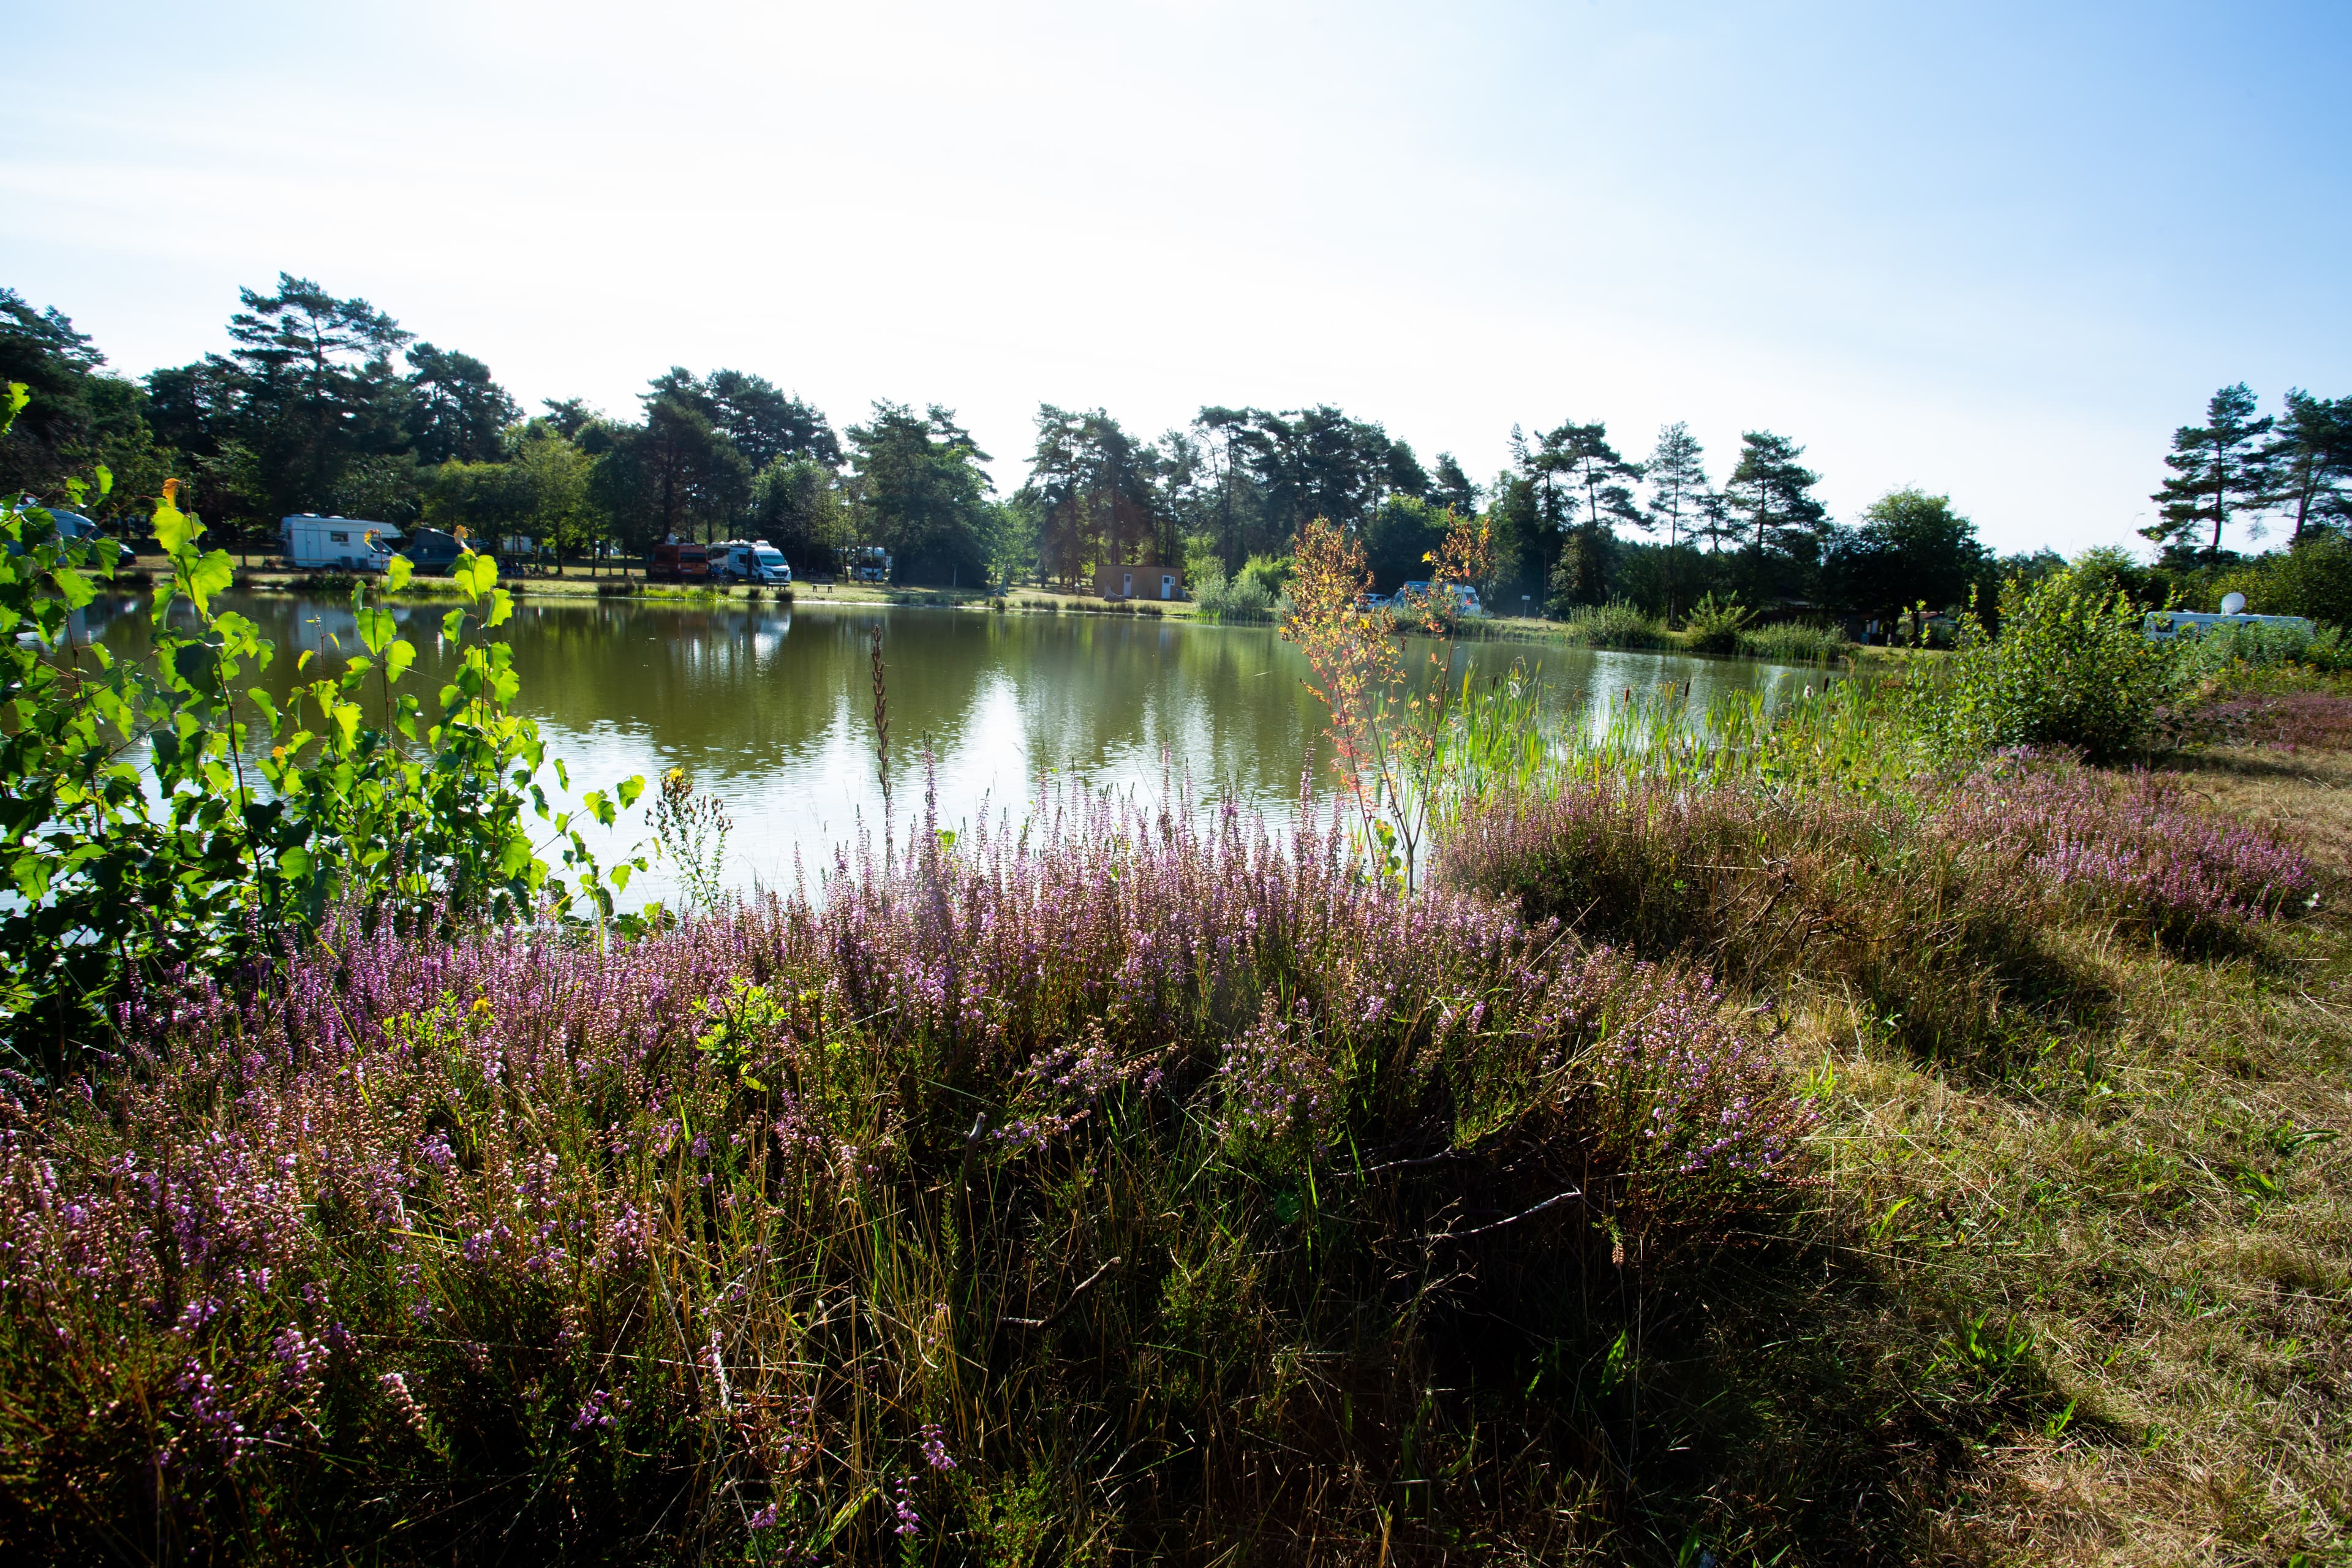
[{"x": 1388, "y": 741}]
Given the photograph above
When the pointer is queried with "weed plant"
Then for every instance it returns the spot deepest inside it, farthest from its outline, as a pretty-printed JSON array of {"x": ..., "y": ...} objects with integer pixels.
[
  {"x": 1613, "y": 625},
  {"x": 1713, "y": 624},
  {"x": 1795, "y": 642}
]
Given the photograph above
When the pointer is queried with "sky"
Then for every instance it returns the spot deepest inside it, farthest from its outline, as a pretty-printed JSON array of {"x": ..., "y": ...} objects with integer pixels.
[{"x": 1997, "y": 251}]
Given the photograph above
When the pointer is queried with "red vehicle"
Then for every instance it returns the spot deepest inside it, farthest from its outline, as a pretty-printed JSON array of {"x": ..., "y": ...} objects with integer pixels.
[{"x": 674, "y": 562}]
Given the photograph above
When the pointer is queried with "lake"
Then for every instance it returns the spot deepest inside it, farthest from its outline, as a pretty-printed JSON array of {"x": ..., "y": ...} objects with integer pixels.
[{"x": 770, "y": 707}]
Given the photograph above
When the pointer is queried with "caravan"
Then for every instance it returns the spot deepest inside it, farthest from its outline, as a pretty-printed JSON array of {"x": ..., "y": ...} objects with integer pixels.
[{"x": 337, "y": 543}]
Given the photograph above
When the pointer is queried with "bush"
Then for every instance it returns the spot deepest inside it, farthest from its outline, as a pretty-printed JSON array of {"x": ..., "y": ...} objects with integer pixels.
[
  {"x": 1270, "y": 573},
  {"x": 2312, "y": 577},
  {"x": 2139, "y": 849},
  {"x": 1240, "y": 598},
  {"x": 1713, "y": 625},
  {"x": 1929, "y": 908},
  {"x": 1795, "y": 642},
  {"x": 1756, "y": 883},
  {"x": 1613, "y": 625},
  {"x": 2227, "y": 649},
  {"x": 243, "y": 821},
  {"x": 2072, "y": 667},
  {"x": 777, "y": 1231}
]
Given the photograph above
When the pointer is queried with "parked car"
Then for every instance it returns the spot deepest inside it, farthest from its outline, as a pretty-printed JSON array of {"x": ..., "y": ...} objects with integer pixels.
[
  {"x": 337, "y": 543},
  {"x": 70, "y": 524},
  {"x": 753, "y": 561},
  {"x": 1413, "y": 596},
  {"x": 432, "y": 551},
  {"x": 676, "y": 561}
]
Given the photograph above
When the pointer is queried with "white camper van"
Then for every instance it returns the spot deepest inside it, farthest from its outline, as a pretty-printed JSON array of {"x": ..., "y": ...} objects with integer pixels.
[
  {"x": 749, "y": 560},
  {"x": 337, "y": 543}
]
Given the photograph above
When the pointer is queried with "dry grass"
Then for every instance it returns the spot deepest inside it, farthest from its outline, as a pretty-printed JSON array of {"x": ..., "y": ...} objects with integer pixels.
[{"x": 2150, "y": 1219}]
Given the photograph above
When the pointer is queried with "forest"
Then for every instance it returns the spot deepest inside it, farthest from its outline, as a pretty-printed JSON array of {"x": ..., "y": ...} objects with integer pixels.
[{"x": 328, "y": 405}]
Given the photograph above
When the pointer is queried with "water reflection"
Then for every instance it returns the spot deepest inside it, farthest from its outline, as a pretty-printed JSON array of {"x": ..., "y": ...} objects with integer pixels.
[{"x": 770, "y": 707}]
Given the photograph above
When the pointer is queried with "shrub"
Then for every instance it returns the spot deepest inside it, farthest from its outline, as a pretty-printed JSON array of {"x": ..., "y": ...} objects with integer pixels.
[
  {"x": 244, "y": 820},
  {"x": 1795, "y": 642},
  {"x": 1613, "y": 625},
  {"x": 1756, "y": 883},
  {"x": 781, "y": 1230},
  {"x": 2071, "y": 668},
  {"x": 1270, "y": 573},
  {"x": 2312, "y": 577},
  {"x": 1240, "y": 598},
  {"x": 1713, "y": 625},
  {"x": 2137, "y": 848},
  {"x": 2289, "y": 720},
  {"x": 1927, "y": 907}
]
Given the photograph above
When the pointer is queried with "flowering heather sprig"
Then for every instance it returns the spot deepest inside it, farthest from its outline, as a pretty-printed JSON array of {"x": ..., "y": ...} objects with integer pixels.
[
  {"x": 902, "y": 1508},
  {"x": 935, "y": 1448}
]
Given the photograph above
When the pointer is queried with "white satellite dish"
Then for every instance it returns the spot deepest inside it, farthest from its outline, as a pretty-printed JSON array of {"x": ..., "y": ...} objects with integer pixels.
[{"x": 2233, "y": 603}]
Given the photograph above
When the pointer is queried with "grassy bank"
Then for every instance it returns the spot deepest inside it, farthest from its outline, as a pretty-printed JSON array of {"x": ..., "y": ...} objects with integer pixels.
[{"x": 1611, "y": 628}]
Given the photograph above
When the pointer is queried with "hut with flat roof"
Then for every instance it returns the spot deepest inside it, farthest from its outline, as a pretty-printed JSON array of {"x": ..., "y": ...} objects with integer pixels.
[{"x": 1139, "y": 581}]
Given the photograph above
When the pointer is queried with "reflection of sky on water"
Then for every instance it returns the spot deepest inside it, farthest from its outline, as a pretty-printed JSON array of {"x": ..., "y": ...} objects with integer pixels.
[{"x": 770, "y": 707}]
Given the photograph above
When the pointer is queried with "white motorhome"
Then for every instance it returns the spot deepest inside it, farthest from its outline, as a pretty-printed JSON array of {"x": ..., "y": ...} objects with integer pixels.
[
  {"x": 337, "y": 543},
  {"x": 2165, "y": 625},
  {"x": 749, "y": 560}
]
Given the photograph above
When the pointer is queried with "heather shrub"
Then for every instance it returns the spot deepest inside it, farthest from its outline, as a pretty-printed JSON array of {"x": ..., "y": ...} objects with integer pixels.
[
  {"x": 1927, "y": 906},
  {"x": 1759, "y": 883},
  {"x": 2286, "y": 720},
  {"x": 2132, "y": 847},
  {"x": 834, "y": 1225}
]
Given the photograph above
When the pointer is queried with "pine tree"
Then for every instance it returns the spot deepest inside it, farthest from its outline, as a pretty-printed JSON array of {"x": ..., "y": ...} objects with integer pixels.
[
  {"x": 1677, "y": 475},
  {"x": 2219, "y": 468},
  {"x": 2310, "y": 460},
  {"x": 1773, "y": 491},
  {"x": 1581, "y": 455}
]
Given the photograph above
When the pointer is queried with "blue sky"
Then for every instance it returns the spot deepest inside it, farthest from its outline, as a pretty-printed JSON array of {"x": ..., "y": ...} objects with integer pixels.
[{"x": 1995, "y": 250}]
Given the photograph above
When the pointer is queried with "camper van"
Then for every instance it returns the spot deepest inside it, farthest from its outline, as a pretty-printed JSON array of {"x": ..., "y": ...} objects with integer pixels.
[
  {"x": 337, "y": 543},
  {"x": 751, "y": 561}
]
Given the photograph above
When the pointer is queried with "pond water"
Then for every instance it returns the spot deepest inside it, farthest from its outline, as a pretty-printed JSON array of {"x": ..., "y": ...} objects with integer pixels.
[{"x": 770, "y": 707}]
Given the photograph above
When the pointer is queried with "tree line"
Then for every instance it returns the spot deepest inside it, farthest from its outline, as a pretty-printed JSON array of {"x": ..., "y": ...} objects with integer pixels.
[{"x": 322, "y": 404}]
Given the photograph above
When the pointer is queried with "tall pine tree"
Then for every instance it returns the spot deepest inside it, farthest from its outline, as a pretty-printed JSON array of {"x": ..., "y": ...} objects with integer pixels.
[
  {"x": 1678, "y": 491},
  {"x": 1772, "y": 493},
  {"x": 2310, "y": 461},
  {"x": 2220, "y": 469},
  {"x": 1582, "y": 456}
]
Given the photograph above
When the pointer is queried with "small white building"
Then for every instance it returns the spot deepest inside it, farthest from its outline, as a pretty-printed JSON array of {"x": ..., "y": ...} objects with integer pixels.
[{"x": 337, "y": 543}]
